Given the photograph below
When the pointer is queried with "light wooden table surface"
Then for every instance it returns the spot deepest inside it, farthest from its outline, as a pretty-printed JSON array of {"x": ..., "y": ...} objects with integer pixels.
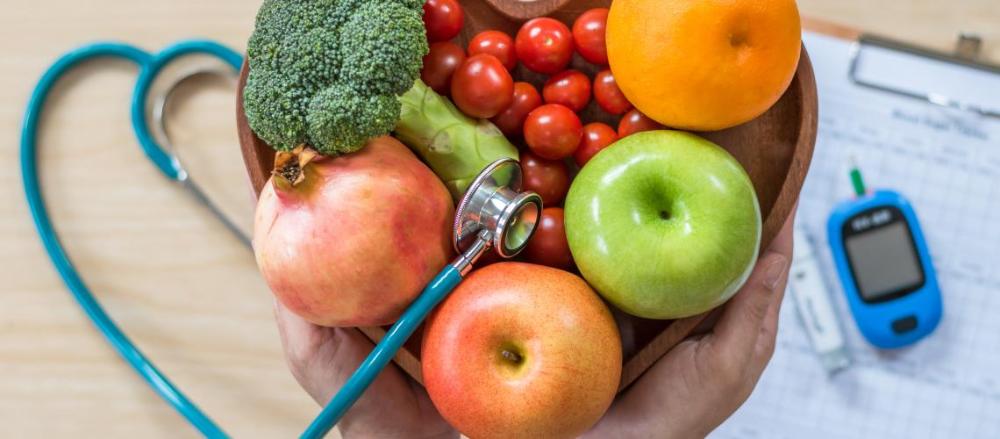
[{"x": 174, "y": 278}]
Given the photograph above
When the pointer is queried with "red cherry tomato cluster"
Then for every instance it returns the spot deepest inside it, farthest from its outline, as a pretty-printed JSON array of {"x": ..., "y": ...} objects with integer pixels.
[{"x": 480, "y": 83}]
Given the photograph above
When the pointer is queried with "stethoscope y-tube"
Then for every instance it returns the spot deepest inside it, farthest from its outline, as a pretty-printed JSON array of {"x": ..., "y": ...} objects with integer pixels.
[{"x": 493, "y": 215}]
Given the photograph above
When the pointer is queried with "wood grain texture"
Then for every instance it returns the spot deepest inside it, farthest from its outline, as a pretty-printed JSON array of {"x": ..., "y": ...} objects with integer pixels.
[
  {"x": 775, "y": 149},
  {"x": 179, "y": 285}
]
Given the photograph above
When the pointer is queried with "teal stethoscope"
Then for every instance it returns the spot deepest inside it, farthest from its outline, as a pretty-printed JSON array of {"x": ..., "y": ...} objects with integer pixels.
[{"x": 493, "y": 214}]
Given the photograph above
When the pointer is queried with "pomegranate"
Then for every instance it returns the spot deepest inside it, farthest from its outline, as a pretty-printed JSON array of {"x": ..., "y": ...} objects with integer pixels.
[{"x": 352, "y": 240}]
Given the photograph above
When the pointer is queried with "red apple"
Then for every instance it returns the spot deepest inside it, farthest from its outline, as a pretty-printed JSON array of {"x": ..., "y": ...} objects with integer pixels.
[{"x": 522, "y": 350}]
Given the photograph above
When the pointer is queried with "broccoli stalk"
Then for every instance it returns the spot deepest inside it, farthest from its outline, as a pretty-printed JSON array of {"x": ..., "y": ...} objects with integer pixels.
[
  {"x": 327, "y": 73},
  {"x": 454, "y": 145}
]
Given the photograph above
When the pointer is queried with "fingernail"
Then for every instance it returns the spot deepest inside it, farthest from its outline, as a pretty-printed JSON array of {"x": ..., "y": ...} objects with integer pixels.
[{"x": 776, "y": 269}]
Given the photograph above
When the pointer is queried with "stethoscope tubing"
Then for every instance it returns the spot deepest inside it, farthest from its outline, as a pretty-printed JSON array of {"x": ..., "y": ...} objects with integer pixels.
[{"x": 149, "y": 66}]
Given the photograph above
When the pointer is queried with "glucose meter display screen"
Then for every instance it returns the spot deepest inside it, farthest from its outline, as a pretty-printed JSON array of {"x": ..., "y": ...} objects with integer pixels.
[{"x": 884, "y": 261}]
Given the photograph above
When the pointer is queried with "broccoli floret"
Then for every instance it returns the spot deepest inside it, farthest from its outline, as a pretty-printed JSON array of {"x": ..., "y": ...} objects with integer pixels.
[
  {"x": 373, "y": 62},
  {"x": 327, "y": 73},
  {"x": 335, "y": 112},
  {"x": 275, "y": 112}
]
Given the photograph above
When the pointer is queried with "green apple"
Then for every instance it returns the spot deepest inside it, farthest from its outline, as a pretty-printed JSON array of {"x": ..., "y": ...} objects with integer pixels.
[{"x": 664, "y": 224}]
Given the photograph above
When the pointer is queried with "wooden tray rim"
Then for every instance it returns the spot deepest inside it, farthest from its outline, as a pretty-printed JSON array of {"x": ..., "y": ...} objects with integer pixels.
[{"x": 784, "y": 204}]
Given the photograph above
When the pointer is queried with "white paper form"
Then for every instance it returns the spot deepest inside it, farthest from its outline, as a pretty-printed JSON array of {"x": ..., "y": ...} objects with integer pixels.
[{"x": 947, "y": 162}]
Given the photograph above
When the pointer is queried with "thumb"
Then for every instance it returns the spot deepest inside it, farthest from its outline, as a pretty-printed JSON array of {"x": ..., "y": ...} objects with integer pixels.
[
  {"x": 747, "y": 313},
  {"x": 740, "y": 324}
]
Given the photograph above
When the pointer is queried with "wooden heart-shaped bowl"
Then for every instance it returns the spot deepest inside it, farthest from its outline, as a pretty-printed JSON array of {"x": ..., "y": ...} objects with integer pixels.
[{"x": 775, "y": 149}]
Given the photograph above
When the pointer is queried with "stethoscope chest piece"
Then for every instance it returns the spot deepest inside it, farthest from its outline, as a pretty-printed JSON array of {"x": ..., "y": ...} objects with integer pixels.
[{"x": 495, "y": 212}]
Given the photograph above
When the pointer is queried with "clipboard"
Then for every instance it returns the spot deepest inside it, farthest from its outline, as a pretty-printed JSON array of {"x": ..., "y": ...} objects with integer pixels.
[
  {"x": 966, "y": 55},
  {"x": 943, "y": 151}
]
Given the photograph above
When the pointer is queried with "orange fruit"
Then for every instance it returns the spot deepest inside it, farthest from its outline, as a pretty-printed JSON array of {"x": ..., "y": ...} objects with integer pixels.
[{"x": 703, "y": 64}]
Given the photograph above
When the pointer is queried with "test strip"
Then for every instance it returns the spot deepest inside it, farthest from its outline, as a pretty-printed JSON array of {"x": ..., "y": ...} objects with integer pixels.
[{"x": 815, "y": 310}]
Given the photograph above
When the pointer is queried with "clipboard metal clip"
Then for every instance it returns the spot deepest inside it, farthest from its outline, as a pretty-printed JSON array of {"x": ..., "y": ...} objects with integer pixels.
[{"x": 966, "y": 54}]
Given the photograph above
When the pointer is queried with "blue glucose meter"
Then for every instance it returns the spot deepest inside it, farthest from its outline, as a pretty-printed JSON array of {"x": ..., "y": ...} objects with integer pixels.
[{"x": 884, "y": 266}]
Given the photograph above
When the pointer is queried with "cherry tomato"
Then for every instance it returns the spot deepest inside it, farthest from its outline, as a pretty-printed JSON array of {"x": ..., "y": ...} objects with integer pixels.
[
  {"x": 570, "y": 88},
  {"x": 482, "y": 87},
  {"x": 443, "y": 19},
  {"x": 440, "y": 64},
  {"x": 607, "y": 94},
  {"x": 495, "y": 43},
  {"x": 596, "y": 136},
  {"x": 511, "y": 120},
  {"x": 588, "y": 35},
  {"x": 634, "y": 122},
  {"x": 544, "y": 45},
  {"x": 553, "y": 131},
  {"x": 548, "y": 246},
  {"x": 548, "y": 178}
]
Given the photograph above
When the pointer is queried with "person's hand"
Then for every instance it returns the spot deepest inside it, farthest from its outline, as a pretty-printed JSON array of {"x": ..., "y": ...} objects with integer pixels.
[
  {"x": 322, "y": 359},
  {"x": 687, "y": 393},
  {"x": 704, "y": 379}
]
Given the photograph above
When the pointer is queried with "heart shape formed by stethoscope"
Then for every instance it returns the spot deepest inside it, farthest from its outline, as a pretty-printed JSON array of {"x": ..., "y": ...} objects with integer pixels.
[{"x": 164, "y": 158}]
